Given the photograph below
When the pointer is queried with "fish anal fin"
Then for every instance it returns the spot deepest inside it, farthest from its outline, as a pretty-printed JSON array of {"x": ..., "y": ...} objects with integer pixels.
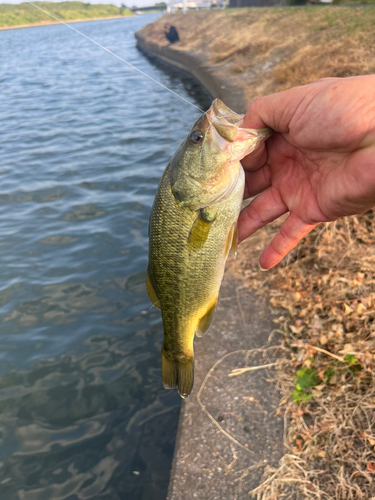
[
  {"x": 206, "y": 321},
  {"x": 176, "y": 373},
  {"x": 151, "y": 292}
]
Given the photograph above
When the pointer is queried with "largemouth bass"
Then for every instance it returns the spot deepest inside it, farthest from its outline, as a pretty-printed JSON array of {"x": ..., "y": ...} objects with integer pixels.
[{"x": 193, "y": 227}]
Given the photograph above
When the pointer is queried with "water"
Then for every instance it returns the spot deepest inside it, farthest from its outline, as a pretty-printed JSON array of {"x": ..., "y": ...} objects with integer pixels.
[{"x": 84, "y": 141}]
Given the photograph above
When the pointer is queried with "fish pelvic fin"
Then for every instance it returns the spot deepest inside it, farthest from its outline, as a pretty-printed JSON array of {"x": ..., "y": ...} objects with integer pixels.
[
  {"x": 231, "y": 243},
  {"x": 177, "y": 373}
]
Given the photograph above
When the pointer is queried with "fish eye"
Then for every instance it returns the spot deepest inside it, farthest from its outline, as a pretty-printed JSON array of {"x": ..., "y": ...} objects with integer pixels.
[{"x": 196, "y": 137}]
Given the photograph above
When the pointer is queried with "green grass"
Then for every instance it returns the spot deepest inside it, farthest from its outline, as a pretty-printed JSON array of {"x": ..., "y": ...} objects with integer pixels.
[
  {"x": 353, "y": 2},
  {"x": 335, "y": 22},
  {"x": 21, "y": 14}
]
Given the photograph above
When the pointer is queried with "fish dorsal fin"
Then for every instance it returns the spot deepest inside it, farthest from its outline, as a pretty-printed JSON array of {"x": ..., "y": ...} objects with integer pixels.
[
  {"x": 231, "y": 243},
  {"x": 206, "y": 321},
  {"x": 151, "y": 292}
]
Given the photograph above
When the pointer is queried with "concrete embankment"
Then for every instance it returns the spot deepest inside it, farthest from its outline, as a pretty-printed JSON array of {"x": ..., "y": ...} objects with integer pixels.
[
  {"x": 208, "y": 465},
  {"x": 198, "y": 66}
]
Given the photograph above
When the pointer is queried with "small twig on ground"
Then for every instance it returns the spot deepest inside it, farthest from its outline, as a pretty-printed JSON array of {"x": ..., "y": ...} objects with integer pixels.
[
  {"x": 240, "y": 371},
  {"x": 319, "y": 349}
]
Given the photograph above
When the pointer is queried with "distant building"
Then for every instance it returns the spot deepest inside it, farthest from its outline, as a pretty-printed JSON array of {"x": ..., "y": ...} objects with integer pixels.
[
  {"x": 256, "y": 3},
  {"x": 195, "y": 5}
]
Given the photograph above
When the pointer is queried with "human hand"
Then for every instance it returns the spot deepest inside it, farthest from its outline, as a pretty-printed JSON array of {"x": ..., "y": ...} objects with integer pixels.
[{"x": 318, "y": 166}]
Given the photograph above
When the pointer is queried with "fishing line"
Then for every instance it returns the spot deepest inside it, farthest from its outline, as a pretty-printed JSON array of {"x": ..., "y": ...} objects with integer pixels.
[{"x": 115, "y": 55}]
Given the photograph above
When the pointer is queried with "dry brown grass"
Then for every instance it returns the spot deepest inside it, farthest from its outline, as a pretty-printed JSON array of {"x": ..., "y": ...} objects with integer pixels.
[
  {"x": 330, "y": 446},
  {"x": 323, "y": 301},
  {"x": 269, "y": 50}
]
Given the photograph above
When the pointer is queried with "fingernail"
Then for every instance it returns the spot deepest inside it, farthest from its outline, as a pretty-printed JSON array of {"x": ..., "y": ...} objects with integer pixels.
[{"x": 263, "y": 269}]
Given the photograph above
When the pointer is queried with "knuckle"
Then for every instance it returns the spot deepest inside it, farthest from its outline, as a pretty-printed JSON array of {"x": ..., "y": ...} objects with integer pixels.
[
  {"x": 284, "y": 234},
  {"x": 257, "y": 216},
  {"x": 276, "y": 249}
]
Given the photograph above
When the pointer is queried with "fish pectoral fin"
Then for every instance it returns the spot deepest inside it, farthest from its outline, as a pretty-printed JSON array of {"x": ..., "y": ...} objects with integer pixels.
[
  {"x": 206, "y": 321},
  {"x": 231, "y": 243},
  {"x": 151, "y": 292},
  {"x": 208, "y": 214},
  {"x": 198, "y": 233},
  {"x": 201, "y": 227}
]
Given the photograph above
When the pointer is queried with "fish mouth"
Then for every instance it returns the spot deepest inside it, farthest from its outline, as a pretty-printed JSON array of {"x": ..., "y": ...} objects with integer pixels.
[
  {"x": 220, "y": 114},
  {"x": 227, "y": 133}
]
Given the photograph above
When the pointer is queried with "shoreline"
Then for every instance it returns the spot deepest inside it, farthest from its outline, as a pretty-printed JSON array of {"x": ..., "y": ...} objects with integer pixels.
[
  {"x": 51, "y": 23},
  {"x": 198, "y": 66}
]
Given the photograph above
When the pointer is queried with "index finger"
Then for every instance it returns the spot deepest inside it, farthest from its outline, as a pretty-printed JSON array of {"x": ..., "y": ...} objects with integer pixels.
[{"x": 275, "y": 111}]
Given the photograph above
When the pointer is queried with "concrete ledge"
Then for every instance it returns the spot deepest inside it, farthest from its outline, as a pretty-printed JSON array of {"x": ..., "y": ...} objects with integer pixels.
[{"x": 206, "y": 464}]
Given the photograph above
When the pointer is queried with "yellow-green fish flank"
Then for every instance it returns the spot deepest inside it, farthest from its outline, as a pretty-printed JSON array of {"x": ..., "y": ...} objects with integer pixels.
[{"x": 193, "y": 227}]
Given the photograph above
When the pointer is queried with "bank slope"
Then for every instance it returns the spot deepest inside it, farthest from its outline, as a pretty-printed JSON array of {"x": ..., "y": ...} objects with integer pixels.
[{"x": 261, "y": 51}]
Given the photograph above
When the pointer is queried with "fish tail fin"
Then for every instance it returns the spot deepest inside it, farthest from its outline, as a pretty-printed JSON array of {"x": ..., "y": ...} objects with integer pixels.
[
  {"x": 169, "y": 370},
  {"x": 177, "y": 374},
  {"x": 185, "y": 378}
]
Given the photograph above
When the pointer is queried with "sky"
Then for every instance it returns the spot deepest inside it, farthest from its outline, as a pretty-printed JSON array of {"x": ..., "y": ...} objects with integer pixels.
[{"x": 130, "y": 3}]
